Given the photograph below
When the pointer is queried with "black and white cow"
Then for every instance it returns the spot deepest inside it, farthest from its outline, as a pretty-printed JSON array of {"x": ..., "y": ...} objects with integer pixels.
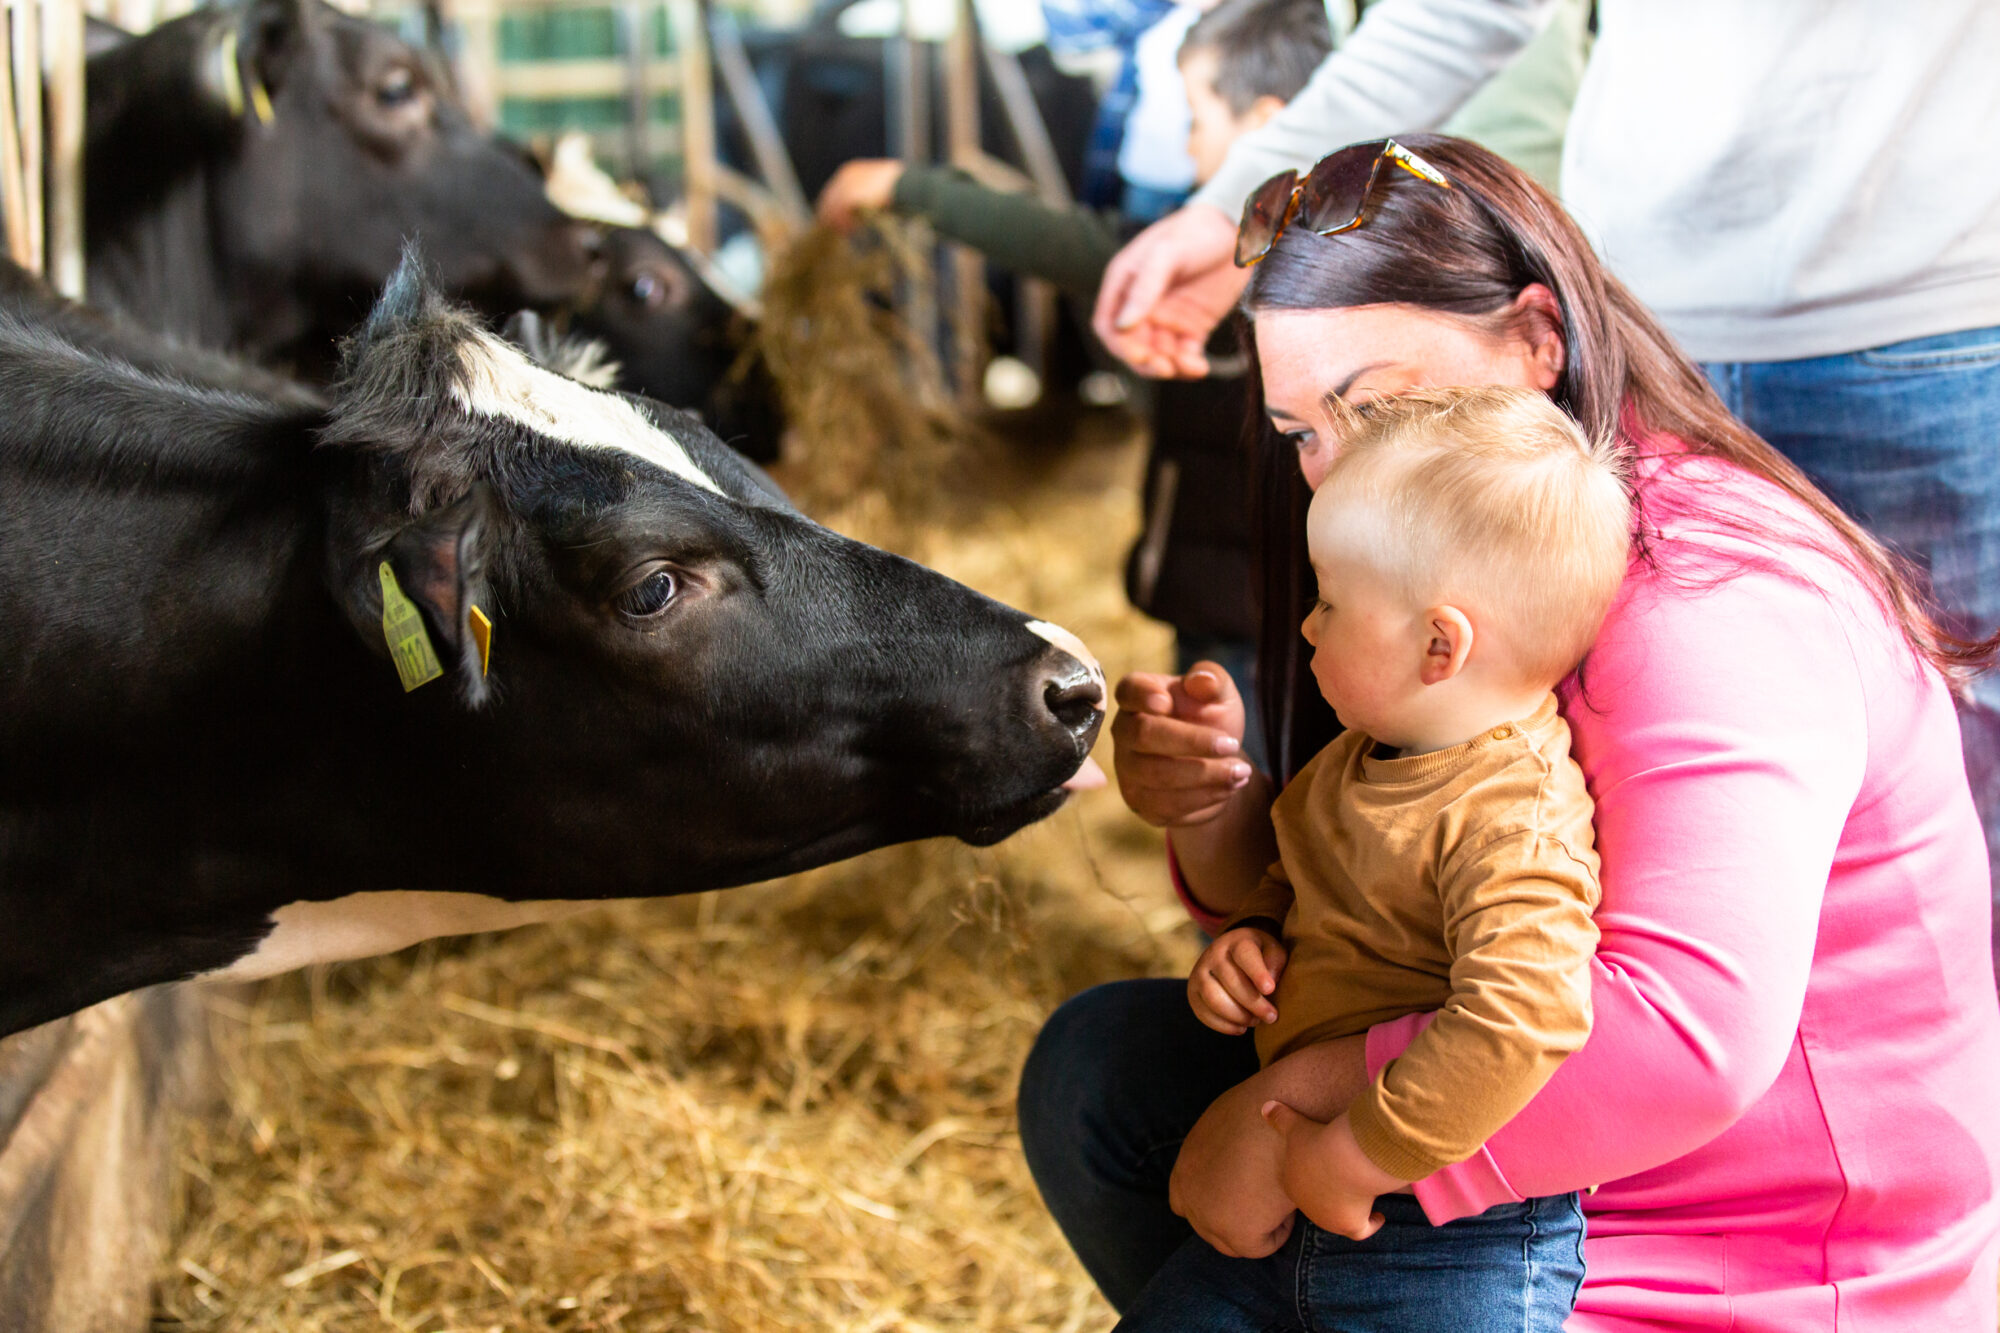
[
  {"x": 253, "y": 170},
  {"x": 653, "y": 676}
]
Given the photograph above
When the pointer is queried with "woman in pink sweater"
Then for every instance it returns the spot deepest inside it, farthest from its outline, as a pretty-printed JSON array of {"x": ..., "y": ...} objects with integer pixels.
[{"x": 1788, "y": 1111}]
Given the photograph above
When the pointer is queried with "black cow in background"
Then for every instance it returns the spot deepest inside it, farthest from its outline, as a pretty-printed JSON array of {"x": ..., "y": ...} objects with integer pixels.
[
  {"x": 675, "y": 339},
  {"x": 252, "y": 173},
  {"x": 219, "y": 612}
]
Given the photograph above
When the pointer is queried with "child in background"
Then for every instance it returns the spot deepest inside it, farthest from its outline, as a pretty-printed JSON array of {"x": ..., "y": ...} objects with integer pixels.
[{"x": 1435, "y": 858}]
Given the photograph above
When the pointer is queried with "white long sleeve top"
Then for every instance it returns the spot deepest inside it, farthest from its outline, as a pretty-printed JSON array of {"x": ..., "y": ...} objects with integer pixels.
[{"x": 1774, "y": 178}]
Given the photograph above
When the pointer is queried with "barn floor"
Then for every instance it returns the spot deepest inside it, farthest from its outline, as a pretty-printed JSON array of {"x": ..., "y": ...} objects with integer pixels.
[{"x": 782, "y": 1107}]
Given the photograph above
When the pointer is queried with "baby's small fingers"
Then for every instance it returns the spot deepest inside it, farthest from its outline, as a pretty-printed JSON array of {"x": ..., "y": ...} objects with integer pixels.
[
  {"x": 1218, "y": 1001},
  {"x": 1247, "y": 953},
  {"x": 1244, "y": 991},
  {"x": 1275, "y": 954}
]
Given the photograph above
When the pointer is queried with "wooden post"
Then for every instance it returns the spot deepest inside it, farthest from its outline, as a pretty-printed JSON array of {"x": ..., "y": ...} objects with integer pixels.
[
  {"x": 478, "y": 59},
  {"x": 62, "y": 63},
  {"x": 968, "y": 267},
  {"x": 767, "y": 145},
  {"x": 13, "y": 189},
  {"x": 697, "y": 122},
  {"x": 28, "y": 119},
  {"x": 1035, "y": 302}
]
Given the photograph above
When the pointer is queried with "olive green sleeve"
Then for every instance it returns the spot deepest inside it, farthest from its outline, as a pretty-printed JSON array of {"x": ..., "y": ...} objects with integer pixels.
[{"x": 1067, "y": 246}]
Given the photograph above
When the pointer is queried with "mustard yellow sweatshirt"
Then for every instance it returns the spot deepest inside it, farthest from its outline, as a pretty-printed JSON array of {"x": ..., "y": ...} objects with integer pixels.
[{"x": 1459, "y": 882}]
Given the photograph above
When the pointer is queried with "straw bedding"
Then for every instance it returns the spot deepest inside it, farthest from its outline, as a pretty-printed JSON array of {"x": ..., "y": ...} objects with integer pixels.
[{"x": 782, "y": 1107}]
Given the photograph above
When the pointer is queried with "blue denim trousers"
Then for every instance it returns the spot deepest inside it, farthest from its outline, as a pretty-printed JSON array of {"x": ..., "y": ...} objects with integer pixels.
[
  {"x": 1514, "y": 1268},
  {"x": 1117, "y": 1078},
  {"x": 1906, "y": 438}
]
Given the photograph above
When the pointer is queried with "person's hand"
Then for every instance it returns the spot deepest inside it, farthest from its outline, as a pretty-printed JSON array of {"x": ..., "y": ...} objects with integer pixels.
[
  {"x": 1227, "y": 1182},
  {"x": 1231, "y": 979},
  {"x": 1165, "y": 292},
  {"x": 864, "y": 185},
  {"x": 1327, "y": 1175},
  {"x": 1177, "y": 744}
]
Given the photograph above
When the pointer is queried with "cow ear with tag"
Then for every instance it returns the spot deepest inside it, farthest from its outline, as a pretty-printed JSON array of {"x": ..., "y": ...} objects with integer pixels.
[{"x": 424, "y": 596}]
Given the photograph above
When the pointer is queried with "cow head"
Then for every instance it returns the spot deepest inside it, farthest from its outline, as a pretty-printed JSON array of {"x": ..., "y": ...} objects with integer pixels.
[
  {"x": 677, "y": 340},
  {"x": 319, "y": 143},
  {"x": 718, "y": 689}
]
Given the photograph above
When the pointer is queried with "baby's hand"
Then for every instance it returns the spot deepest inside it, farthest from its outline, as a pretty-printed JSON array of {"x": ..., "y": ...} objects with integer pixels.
[
  {"x": 1232, "y": 978},
  {"x": 1327, "y": 1175}
]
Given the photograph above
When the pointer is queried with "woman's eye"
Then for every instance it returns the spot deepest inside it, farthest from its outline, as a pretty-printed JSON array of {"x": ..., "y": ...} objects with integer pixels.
[
  {"x": 1302, "y": 440},
  {"x": 650, "y": 596}
]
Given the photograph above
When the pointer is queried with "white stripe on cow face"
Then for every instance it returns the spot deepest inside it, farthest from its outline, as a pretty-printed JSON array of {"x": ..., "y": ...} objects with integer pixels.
[
  {"x": 362, "y": 925},
  {"x": 500, "y": 382},
  {"x": 1072, "y": 645}
]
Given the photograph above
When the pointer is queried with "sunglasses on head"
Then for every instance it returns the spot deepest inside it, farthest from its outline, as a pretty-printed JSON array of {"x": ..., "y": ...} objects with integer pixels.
[{"x": 1328, "y": 200}]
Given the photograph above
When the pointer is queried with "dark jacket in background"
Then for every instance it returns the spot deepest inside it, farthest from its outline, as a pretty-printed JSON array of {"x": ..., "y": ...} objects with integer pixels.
[{"x": 1191, "y": 564}]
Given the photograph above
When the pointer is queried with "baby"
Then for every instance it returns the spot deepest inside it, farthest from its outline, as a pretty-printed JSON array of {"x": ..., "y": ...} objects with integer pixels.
[{"x": 1436, "y": 858}]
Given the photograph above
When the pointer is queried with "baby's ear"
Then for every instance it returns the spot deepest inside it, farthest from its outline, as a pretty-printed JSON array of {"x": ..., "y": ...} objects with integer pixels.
[{"x": 1447, "y": 644}]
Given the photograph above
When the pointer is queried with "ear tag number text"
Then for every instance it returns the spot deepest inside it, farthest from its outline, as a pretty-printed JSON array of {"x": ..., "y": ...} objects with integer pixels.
[{"x": 409, "y": 641}]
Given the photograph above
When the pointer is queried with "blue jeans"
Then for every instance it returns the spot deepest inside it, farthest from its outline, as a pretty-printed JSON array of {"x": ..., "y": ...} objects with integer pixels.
[
  {"x": 1115, "y": 1081},
  {"x": 1906, "y": 438},
  {"x": 1514, "y": 1268}
]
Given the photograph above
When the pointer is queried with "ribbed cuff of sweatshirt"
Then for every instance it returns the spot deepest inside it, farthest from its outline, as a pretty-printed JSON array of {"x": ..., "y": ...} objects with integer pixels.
[{"x": 1386, "y": 1146}]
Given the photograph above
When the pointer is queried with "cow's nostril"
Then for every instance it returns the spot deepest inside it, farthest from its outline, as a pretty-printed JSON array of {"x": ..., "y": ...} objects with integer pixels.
[{"x": 1076, "y": 701}]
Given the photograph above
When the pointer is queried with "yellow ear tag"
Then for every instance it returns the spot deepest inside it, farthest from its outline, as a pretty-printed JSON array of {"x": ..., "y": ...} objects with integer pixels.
[
  {"x": 482, "y": 634},
  {"x": 260, "y": 101},
  {"x": 409, "y": 641}
]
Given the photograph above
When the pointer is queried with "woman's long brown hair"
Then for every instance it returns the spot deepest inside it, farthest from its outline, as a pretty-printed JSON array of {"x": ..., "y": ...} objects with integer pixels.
[{"x": 1469, "y": 251}]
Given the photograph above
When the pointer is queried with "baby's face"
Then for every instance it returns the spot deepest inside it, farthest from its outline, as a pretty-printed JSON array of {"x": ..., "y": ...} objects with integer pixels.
[{"x": 1368, "y": 650}]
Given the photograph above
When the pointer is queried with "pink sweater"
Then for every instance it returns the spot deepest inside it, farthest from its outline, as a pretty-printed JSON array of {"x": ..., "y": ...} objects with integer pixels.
[{"x": 1790, "y": 1098}]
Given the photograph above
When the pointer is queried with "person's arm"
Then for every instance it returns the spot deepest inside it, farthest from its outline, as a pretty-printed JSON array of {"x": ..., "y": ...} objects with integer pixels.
[
  {"x": 1408, "y": 66},
  {"x": 1723, "y": 729},
  {"x": 1517, "y": 920},
  {"x": 1067, "y": 246}
]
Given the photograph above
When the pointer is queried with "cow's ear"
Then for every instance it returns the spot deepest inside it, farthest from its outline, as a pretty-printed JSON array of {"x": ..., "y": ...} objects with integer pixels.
[
  {"x": 436, "y": 563},
  {"x": 410, "y": 294},
  {"x": 275, "y": 34}
]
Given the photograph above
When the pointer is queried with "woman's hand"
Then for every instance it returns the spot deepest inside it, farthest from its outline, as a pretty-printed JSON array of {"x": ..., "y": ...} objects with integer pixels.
[
  {"x": 1177, "y": 744},
  {"x": 1326, "y": 1173},
  {"x": 1228, "y": 1181},
  {"x": 865, "y": 185},
  {"x": 1165, "y": 292}
]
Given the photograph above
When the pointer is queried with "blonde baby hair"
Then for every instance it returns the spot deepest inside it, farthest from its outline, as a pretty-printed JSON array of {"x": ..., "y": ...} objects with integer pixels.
[{"x": 1491, "y": 499}]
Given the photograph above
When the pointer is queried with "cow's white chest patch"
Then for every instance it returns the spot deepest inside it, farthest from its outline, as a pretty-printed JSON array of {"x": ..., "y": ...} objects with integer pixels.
[
  {"x": 500, "y": 382},
  {"x": 362, "y": 925}
]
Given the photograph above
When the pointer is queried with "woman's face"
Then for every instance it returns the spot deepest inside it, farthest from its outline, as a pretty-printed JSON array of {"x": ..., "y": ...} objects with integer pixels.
[{"x": 1374, "y": 351}]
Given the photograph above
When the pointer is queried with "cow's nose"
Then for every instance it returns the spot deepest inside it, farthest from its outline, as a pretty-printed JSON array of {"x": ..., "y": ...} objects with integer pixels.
[
  {"x": 1074, "y": 697},
  {"x": 1071, "y": 683}
]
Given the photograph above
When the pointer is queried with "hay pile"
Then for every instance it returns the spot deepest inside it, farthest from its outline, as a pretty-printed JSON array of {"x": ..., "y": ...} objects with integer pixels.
[
  {"x": 876, "y": 433},
  {"x": 783, "y": 1107}
]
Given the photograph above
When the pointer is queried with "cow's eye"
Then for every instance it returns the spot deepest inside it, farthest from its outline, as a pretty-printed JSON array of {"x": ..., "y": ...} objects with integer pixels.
[
  {"x": 648, "y": 597},
  {"x": 645, "y": 288},
  {"x": 396, "y": 88}
]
